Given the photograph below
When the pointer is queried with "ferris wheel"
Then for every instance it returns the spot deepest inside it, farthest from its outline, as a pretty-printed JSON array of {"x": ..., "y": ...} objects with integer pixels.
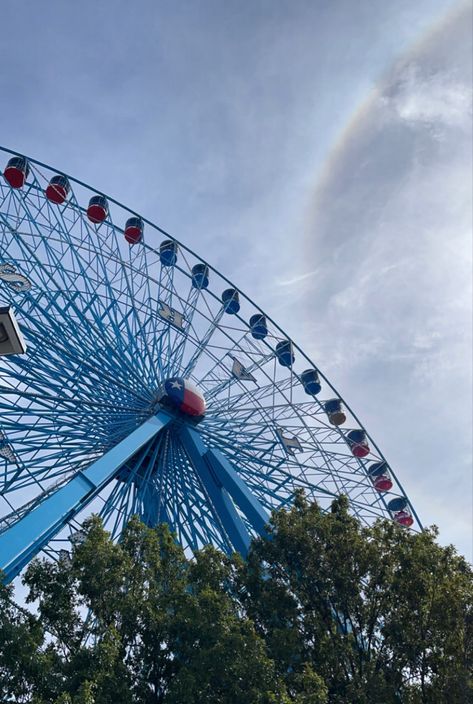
[{"x": 136, "y": 379}]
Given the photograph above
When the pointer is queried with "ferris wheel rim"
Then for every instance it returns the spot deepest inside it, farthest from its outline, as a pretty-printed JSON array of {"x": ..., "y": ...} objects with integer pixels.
[{"x": 222, "y": 277}]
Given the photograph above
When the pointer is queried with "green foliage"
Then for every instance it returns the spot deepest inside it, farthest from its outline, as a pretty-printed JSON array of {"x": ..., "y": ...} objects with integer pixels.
[
  {"x": 381, "y": 614},
  {"x": 324, "y": 611}
]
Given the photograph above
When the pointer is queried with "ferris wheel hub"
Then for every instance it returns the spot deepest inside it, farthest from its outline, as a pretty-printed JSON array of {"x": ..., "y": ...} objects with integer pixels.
[{"x": 182, "y": 396}]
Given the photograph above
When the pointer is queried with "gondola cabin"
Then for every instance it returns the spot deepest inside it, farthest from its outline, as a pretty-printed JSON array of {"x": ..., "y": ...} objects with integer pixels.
[
  {"x": 403, "y": 518},
  {"x": 168, "y": 252},
  {"x": 358, "y": 443},
  {"x": 134, "y": 230},
  {"x": 97, "y": 210},
  {"x": 200, "y": 276},
  {"x": 16, "y": 171},
  {"x": 284, "y": 353},
  {"x": 397, "y": 504},
  {"x": 231, "y": 301},
  {"x": 311, "y": 382},
  {"x": 335, "y": 412},
  {"x": 258, "y": 326},
  {"x": 399, "y": 509},
  {"x": 58, "y": 189},
  {"x": 379, "y": 474}
]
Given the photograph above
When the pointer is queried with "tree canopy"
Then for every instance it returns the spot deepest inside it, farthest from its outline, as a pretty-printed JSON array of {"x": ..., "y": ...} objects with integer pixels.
[{"x": 323, "y": 611}]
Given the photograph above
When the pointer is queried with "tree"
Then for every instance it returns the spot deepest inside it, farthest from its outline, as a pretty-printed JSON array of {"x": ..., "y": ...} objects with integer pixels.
[
  {"x": 21, "y": 638},
  {"x": 380, "y": 613},
  {"x": 159, "y": 628},
  {"x": 323, "y": 611}
]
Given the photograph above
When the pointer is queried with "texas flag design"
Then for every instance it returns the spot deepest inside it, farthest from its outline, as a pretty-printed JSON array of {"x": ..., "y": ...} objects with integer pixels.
[{"x": 184, "y": 396}]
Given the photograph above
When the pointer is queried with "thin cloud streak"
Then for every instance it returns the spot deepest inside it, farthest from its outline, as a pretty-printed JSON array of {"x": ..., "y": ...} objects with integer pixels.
[{"x": 297, "y": 279}]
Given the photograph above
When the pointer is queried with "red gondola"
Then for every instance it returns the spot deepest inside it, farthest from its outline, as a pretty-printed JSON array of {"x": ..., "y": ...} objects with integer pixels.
[
  {"x": 358, "y": 443},
  {"x": 98, "y": 209},
  {"x": 58, "y": 189},
  {"x": 16, "y": 171},
  {"x": 404, "y": 519},
  {"x": 134, "y": 230},
  {"x": 379, "y": 474},
  {"x": 383, "y": 483}
]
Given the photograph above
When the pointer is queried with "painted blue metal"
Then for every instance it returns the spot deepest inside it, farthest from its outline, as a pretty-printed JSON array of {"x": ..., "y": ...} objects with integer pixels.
[
  {"x": 26, "y": 537},
  {"x": 99, "y": 346},
  {"x": 238, "y": 490},
  {"x": 218, "y": 496}
]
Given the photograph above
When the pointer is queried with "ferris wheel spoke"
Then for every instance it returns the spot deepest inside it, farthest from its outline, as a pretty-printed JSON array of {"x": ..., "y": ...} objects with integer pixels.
[
  {"x": 199, "y": 514},
  {"x": 202, "y": 343},
  {"x": 269, "y": 454},
  {"x": 121, "y": 503},
  {"x": 245, "y": 361},
  {"x": 32, "y": 241},
  {"x": 95, "y": 353},
  {"x": 280, "y": 482},
  {"x": 52, "y": 465},
  {"x": 72, "y": 302},
  {"x": 137, "y": 331},
  {"x": 118, "y": 509},
  {"x": 83, "y": 392},
  {"x": 264, "y": 392},
  {"x": 223, "y": 509},
  {"x": 97, "y": 365},
  {"x": 321, "y": 435},
  {"x": 59, "y": 334},
  {"x": 189, "y": 514},
  {"x": 189, "y": 309},
  {"x": 178, "y": 466}
]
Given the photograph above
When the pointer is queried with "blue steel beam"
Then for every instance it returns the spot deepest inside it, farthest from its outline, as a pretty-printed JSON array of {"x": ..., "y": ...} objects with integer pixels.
[
  {"x": 23, "y": 540},
  {"x": 221, "y": 502},
  {"x": 222, "y": 475},
  {"x": 238, "y": 490}
]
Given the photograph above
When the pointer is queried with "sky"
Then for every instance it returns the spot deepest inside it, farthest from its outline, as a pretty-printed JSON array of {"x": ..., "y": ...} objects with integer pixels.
[{"x": 318, "y": 154}]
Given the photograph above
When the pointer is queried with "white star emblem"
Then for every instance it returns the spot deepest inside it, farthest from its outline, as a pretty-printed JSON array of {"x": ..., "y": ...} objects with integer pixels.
[{"x": 176, "y": 385}]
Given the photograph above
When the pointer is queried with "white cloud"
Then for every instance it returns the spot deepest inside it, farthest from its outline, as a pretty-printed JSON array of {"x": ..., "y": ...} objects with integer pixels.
[
  {"x": 392, "y": 225},
  {"x": 298, "y": 278},
  {"x": 430, "y": 98}
]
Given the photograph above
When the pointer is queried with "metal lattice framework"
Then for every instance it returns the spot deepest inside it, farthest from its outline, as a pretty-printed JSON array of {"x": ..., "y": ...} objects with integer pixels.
[{"x": 81, "y": 427}]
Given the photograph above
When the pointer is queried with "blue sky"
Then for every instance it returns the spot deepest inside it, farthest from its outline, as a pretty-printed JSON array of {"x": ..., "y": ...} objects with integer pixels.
[{"x": 318, "y": 154}]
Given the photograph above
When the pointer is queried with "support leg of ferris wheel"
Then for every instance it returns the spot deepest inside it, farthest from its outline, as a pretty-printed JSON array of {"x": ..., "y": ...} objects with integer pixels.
[
  {"x": 23, "y": 540},
  {"x": 222, "y": 482}
]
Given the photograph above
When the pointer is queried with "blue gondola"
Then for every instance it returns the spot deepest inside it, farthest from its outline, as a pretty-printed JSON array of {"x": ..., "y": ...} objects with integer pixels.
[
  {"x": 335, "y": 412},
  {"x": 397, "y": 504},
  {"x": 376, "y": 469},
  {"x": 231, "y": 301},
  {"x": 168, "y": 252},
  {"x": 311, "y": 382},
  {"x": 402, "y": 515},
  {"x": 284, "y": 353},
  {"x": 200, "y": 276},
  {"x": 258, "y": 326}
]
